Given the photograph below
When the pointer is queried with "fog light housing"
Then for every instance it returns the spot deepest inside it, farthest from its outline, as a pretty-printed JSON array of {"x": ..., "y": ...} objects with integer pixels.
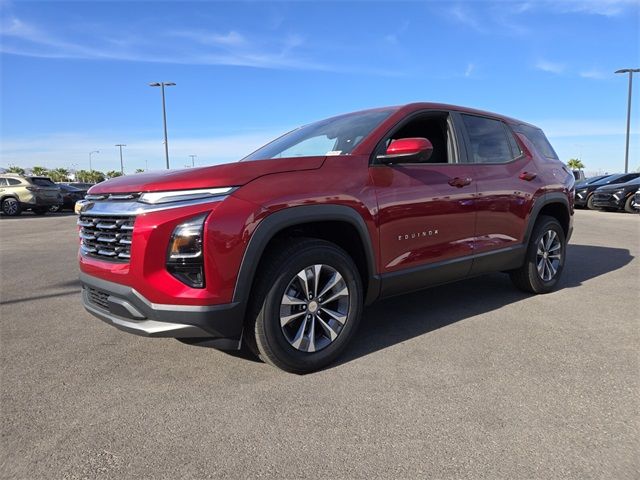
[{"x": 185, "y": 260}]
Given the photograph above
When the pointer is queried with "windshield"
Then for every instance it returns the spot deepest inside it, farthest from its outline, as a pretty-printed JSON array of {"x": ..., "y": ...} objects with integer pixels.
[{"x": 333, "y": 136}]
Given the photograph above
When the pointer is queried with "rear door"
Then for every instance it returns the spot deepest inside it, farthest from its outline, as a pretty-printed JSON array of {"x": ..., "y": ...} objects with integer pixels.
[{"x": 506, "y": 180}]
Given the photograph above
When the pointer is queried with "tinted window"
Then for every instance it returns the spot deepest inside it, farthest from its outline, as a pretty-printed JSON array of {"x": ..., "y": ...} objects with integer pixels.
[
  {"x": 2, "y": 182},
  {"x": 539, "y": 140},
  {"x": 488, "y": 139},
  {"x": 13, "y": 181},
  {"x": 42, "y": 182}
]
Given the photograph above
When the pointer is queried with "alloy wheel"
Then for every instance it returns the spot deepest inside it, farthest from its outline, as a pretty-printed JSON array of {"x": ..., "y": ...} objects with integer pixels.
[
  {"x": 314, "y": 308},
  {"x": 10, "y": 206},
  {"x": 549, "y": 255}
]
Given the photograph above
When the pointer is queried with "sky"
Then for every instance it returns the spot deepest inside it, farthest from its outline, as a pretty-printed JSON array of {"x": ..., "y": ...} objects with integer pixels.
[{"x": 75, "y": 75}]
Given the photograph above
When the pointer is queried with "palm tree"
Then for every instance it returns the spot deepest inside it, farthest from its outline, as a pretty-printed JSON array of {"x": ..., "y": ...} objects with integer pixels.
[
  {"x": 82, "y": 176},
  {"x": 39, "y": 171},
  {"x": 59, "y": 175},
  {"x": 575, "y": 164},
  {"x": 139, "y": 170},
  {"x": 14, "y": 169},
  {"x": 96, "y": 176},
  {"x": 113, "y": 174}
]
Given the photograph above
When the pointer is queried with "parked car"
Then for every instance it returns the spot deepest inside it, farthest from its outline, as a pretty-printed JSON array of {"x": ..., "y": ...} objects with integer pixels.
[
  {"x": 619, "y": 196},
  {"x": 18, "y": 193},
  {"x": 81, "y": 185},
  {"x": 70, "y": 195},
  {"x": 589, "y": 181},
  {"x": 283, "y": 249},
  {"x": 584, "y": 193}
]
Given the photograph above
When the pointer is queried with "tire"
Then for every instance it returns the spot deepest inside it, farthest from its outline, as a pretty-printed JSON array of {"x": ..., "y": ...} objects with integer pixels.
[
  {"x": 311, "y": 338},
  {"x": 590, "y": 204},
  {"x": 529, "y": 278},
  {"x": 11, "y": 207},
  {"x": 40, "y": 210},
  {"x": 628, "y": 205},
  {"x": 55, "y": 208}
]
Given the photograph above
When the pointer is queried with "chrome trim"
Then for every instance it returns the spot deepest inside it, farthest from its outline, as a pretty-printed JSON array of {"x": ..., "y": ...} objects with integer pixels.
[
  {"x": 166, "y": 197},
  {"x": 133, "y": 208}
]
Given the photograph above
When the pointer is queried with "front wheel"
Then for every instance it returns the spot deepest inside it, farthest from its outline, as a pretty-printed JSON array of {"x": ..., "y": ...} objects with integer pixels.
[
  {"x": 590, "y": 204},
  {"x": 307, "y": 303},
  {"x": 544, "y": 259},
  {"x": 629, "y": 205}
]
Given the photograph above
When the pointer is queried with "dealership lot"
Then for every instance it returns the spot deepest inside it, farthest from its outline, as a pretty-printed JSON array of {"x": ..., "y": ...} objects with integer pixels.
[{"x": 473, "y": 379}]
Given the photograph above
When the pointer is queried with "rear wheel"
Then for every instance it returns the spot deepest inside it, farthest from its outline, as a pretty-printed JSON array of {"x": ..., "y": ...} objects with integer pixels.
[
  {"x": 11, "y": 207},
  {"x": 629, "y": 205},
  {"x": 306, "y": 307},
  {"x": 544, "y": 259}
]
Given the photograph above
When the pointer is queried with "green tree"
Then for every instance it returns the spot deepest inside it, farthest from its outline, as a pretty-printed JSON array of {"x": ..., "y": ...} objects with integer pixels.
[
  {"x": 59, "y": 175},
  {"x": 139, "y": 170},
  {"x": 575, "y": 164},
  {"x": 113, "y": 174},
  {"x": 14, "y": 169},
  {"x": 82, "y": 176},
  {"x": 96, "y": 176},
  {"x": 39, "y": 171}
]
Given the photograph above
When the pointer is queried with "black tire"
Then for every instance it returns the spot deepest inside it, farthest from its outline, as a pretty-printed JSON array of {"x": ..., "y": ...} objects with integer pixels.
[
  {"x": 590, "y": 204},
  {"x": 40, "y": 210},
  {"x": 527, "y": 277},
  {"x": 264, "y": 334},
  {"x": 55, "y": 208},
  {"x": 11, "y": 207},
  {"x": 628, "y": 205}
]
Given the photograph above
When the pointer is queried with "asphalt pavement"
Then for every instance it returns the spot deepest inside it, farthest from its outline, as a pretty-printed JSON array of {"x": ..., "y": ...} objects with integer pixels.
[{"x": 468, "y": 380}]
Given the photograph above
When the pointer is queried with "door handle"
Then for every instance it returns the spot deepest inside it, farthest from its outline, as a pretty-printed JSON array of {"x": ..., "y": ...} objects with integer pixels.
[
  {"x": 528, "y": 176},
  {"x": 459, "y": 182}
]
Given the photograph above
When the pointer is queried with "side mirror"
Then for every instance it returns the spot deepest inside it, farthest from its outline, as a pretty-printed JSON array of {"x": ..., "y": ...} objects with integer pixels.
[{"x": 415, "y": 149}]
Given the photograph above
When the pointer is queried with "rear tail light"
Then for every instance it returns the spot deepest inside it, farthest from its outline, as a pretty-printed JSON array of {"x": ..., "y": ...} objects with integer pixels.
[{"x": 184, "y": 257}]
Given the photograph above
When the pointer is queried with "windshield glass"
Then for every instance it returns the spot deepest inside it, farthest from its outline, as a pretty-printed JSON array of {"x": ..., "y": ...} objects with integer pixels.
[{"x": 333, "y": 136}]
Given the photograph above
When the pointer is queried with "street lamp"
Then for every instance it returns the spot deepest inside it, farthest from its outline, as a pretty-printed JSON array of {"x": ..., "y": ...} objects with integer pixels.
[
  {"x": 90, "y": 154},
  {"x": 164, "y": 116},
  {"x": 630, "y": 71},
  {"x": 193, "y": 162},
  {"x": 121, "y": 164}
]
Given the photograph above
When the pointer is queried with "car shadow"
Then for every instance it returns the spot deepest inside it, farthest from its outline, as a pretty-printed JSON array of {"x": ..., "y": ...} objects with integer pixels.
[{"x": 398, "y": 319}]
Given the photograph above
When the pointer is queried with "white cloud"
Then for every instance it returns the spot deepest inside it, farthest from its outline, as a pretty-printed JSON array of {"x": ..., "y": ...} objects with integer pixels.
[
  {"x": 548, "y": 66},
  {"x": 72, "y": 150},
  {"x": 465, "y": 16},
  {"x": 595, "y": 74},
  {"x": 470, "y": 68}
]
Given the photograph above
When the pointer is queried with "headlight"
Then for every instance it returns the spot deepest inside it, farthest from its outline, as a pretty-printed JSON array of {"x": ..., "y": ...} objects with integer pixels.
[
  {"x": 182, "y": 195},
  {"x": 581, "y": 193},
  {"x": 618, "y": 194},
  {"x": 185, "y": 257}
]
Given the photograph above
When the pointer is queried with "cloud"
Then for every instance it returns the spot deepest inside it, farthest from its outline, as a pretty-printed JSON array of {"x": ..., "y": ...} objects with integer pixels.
[
  {"x": 470, "y": 68},
  {"x": 71, "y": 150},
  {"x": 465, "y": 16},
  {"x": 595, "y": 74},
  {"x": 551, "y": 67},
  {"x": 607, "y": 8}
]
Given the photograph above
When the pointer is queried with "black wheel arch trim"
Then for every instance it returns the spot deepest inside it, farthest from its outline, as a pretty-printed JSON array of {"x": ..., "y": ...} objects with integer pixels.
[
  {"x": 271, "y": 225},
  {"x": 544, "y": 200}
]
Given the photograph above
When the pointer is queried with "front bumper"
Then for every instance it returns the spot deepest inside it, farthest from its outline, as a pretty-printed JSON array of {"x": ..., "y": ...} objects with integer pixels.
[
  {"x": 218, "y": 326},
  {"x": 608, "y": 200}
]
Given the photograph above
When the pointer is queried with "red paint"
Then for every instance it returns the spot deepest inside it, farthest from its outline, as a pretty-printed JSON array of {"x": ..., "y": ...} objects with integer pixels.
[{"x": 414, "y": 213}]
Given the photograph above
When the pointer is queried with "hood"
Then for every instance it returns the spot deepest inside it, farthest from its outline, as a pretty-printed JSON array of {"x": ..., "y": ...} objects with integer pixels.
[
  {"x": 630, "y": 185},
  {"x": 226, "y": 175}
]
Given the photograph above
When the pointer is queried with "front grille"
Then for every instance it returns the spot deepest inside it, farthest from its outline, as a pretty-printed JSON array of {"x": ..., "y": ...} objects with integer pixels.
[
  {"x": 106, "y": 237},
  {"x": 98, "y": 297}
]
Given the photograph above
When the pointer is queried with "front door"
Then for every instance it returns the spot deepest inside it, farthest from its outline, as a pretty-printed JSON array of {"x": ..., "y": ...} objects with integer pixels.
[{"x": 426, "y": 213}]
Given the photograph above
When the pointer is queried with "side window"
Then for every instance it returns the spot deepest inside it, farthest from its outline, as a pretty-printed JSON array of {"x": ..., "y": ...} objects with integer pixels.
[
  {"x": 539, "y": 140},
  {"x": 432, "y": 126},
  {"x": 3, "y": 182},
  {"x": 488, "y": 140},
  {"x": 13, "y": 181}
]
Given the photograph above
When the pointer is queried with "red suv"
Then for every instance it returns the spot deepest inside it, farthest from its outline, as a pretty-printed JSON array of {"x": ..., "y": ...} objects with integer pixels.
[{"x": 282, "y": 249}]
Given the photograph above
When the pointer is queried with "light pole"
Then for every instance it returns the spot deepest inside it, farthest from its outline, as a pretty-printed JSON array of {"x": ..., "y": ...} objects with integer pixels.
[
  {"x": 193, "y": 162},
  {"x": 164, "y": 116},
  {"x": 90, "y": 154},
  {"x": 121, "y": 164},
  {"x": 630, "y": 71}
]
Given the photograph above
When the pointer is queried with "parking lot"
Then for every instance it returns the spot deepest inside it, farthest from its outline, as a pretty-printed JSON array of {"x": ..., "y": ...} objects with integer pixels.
[{"x": 473, "y": 379}]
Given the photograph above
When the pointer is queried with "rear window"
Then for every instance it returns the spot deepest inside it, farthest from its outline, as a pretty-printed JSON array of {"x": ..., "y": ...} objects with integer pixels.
[
  {"x": 42, "y": 182},
  {"x": 13, "y": 181},
  {"x": 539, "y": 140},
  {"x": 488, "y": 140}
]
